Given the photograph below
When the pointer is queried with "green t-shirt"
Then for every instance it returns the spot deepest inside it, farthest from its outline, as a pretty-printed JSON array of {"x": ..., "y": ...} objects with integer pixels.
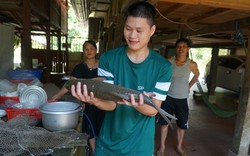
[{"x": 126, "y": 131}]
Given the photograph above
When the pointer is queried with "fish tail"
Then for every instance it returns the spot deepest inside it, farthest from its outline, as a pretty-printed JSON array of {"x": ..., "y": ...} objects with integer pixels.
[
  {"x": 164, "y": 114},
  {"x": 165, "y": 117},
  {"x": 168, "y": 115}
]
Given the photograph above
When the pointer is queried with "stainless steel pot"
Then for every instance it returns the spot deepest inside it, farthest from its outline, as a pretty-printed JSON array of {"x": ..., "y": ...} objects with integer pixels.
[{"x": 61, "y": 115}]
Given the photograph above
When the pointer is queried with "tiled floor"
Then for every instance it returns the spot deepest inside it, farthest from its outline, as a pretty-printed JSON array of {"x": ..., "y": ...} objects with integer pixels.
[{"x": 208, "y": 134}]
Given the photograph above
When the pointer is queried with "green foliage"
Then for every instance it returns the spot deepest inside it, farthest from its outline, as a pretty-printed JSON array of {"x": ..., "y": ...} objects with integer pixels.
[
  {"x": 74, "y": 28},
  {"x": 202, "y": 56},
  {"x": 17, "y": 42},
  {"x": 77, "y": 33},
  {"x": 72, "y": 24}
]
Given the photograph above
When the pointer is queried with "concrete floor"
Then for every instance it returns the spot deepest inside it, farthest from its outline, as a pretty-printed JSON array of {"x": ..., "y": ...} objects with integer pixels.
[{"x": 208, "y": 134}]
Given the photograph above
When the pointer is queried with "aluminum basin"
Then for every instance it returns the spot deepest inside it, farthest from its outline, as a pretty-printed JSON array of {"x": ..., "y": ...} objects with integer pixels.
[{"x": 61, "y": 115}]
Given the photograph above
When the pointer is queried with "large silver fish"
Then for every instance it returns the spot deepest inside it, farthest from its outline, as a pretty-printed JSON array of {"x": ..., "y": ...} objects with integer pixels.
[{"x": 115, "y": 93}]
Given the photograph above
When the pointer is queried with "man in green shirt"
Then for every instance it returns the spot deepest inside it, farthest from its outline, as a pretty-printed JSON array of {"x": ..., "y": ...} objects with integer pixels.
[{"x": 128, "y": 128}]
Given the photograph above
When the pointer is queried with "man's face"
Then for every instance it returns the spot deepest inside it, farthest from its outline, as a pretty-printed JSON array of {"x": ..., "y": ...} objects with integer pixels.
[
  {"x": 137, "y": 33},
  {"x": 182, "y": 49}
]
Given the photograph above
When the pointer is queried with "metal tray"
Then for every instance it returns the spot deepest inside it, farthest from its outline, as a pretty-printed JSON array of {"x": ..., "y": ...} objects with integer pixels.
[{"x": 33, "y": 97}]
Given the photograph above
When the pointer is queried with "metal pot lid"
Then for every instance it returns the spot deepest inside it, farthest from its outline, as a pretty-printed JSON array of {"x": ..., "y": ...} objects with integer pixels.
[{"x": 33, "y": 96}]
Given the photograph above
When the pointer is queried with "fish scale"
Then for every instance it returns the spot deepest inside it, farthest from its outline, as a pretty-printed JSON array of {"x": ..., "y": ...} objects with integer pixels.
[{"x": 111, "y": 92}]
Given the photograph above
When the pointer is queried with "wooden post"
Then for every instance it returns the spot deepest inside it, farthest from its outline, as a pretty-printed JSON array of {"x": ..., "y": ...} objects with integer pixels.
[
  {"x": 213, "y": 71},
  {"x": 118, "y": 32},
  {"x": 241, "y": 137},
  {"x": 110, "y": 33},
  {"x": 59, "y": 52},
  {"x": 67, "y": 56},
  {"x": 48, "y": 52},
  {"x": 211, "y": 84},
  {"x": 59, "y": 43},
  {"x": 26, "y": 55},
  {"x": 105, "y": 41}
]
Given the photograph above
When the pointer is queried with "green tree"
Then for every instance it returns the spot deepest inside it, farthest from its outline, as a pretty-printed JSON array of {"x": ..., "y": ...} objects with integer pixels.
[{"x": 77, "y": 33}]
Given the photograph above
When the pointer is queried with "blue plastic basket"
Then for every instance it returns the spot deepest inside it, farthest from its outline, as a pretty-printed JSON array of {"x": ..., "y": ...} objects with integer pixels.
[{"x": 24, "y": 74}]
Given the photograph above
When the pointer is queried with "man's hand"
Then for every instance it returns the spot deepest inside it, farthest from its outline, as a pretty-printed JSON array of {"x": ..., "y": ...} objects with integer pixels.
[
  {"x": 81, "y": 93},
  {"x": 136, "y": 103}
]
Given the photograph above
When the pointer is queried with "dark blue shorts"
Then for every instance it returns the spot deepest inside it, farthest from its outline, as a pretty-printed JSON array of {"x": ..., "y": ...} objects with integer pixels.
[{"x": 177, "y": 107}]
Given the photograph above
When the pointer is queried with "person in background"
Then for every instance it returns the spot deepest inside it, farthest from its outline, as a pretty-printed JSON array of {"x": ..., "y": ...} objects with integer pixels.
[
  {"x": 176, "y": 102},
  {"x": 129, "y": 127},
  {"x": 87, "y": 70}
]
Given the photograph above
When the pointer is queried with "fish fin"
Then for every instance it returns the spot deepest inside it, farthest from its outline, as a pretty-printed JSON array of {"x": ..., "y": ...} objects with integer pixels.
[
  {"x": 164, "y": 115},
  {"x": 118, "y": 97},
  {"x": 165, "y": 118},
  {"x": 168, "y": 115},
  {"x": 121, "y": 96}
]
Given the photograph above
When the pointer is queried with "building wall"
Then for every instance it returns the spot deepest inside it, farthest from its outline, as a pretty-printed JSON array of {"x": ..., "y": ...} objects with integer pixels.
[{"x": 6, "y": 49}]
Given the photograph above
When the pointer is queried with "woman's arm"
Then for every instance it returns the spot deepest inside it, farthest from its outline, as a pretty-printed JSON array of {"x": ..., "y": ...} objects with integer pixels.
[{"x": 61, "y": 92}]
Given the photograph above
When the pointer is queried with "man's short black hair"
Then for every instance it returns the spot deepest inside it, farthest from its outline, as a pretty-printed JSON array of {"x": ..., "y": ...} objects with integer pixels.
[
  {"x": 142, "y": 9},
  {"x": 185, "y": 40}
]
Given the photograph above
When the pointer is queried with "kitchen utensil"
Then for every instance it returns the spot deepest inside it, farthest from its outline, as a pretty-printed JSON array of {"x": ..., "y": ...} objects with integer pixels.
[
  {"x": 33, "y": 97},
  {"x": 60, "y": 115}
]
